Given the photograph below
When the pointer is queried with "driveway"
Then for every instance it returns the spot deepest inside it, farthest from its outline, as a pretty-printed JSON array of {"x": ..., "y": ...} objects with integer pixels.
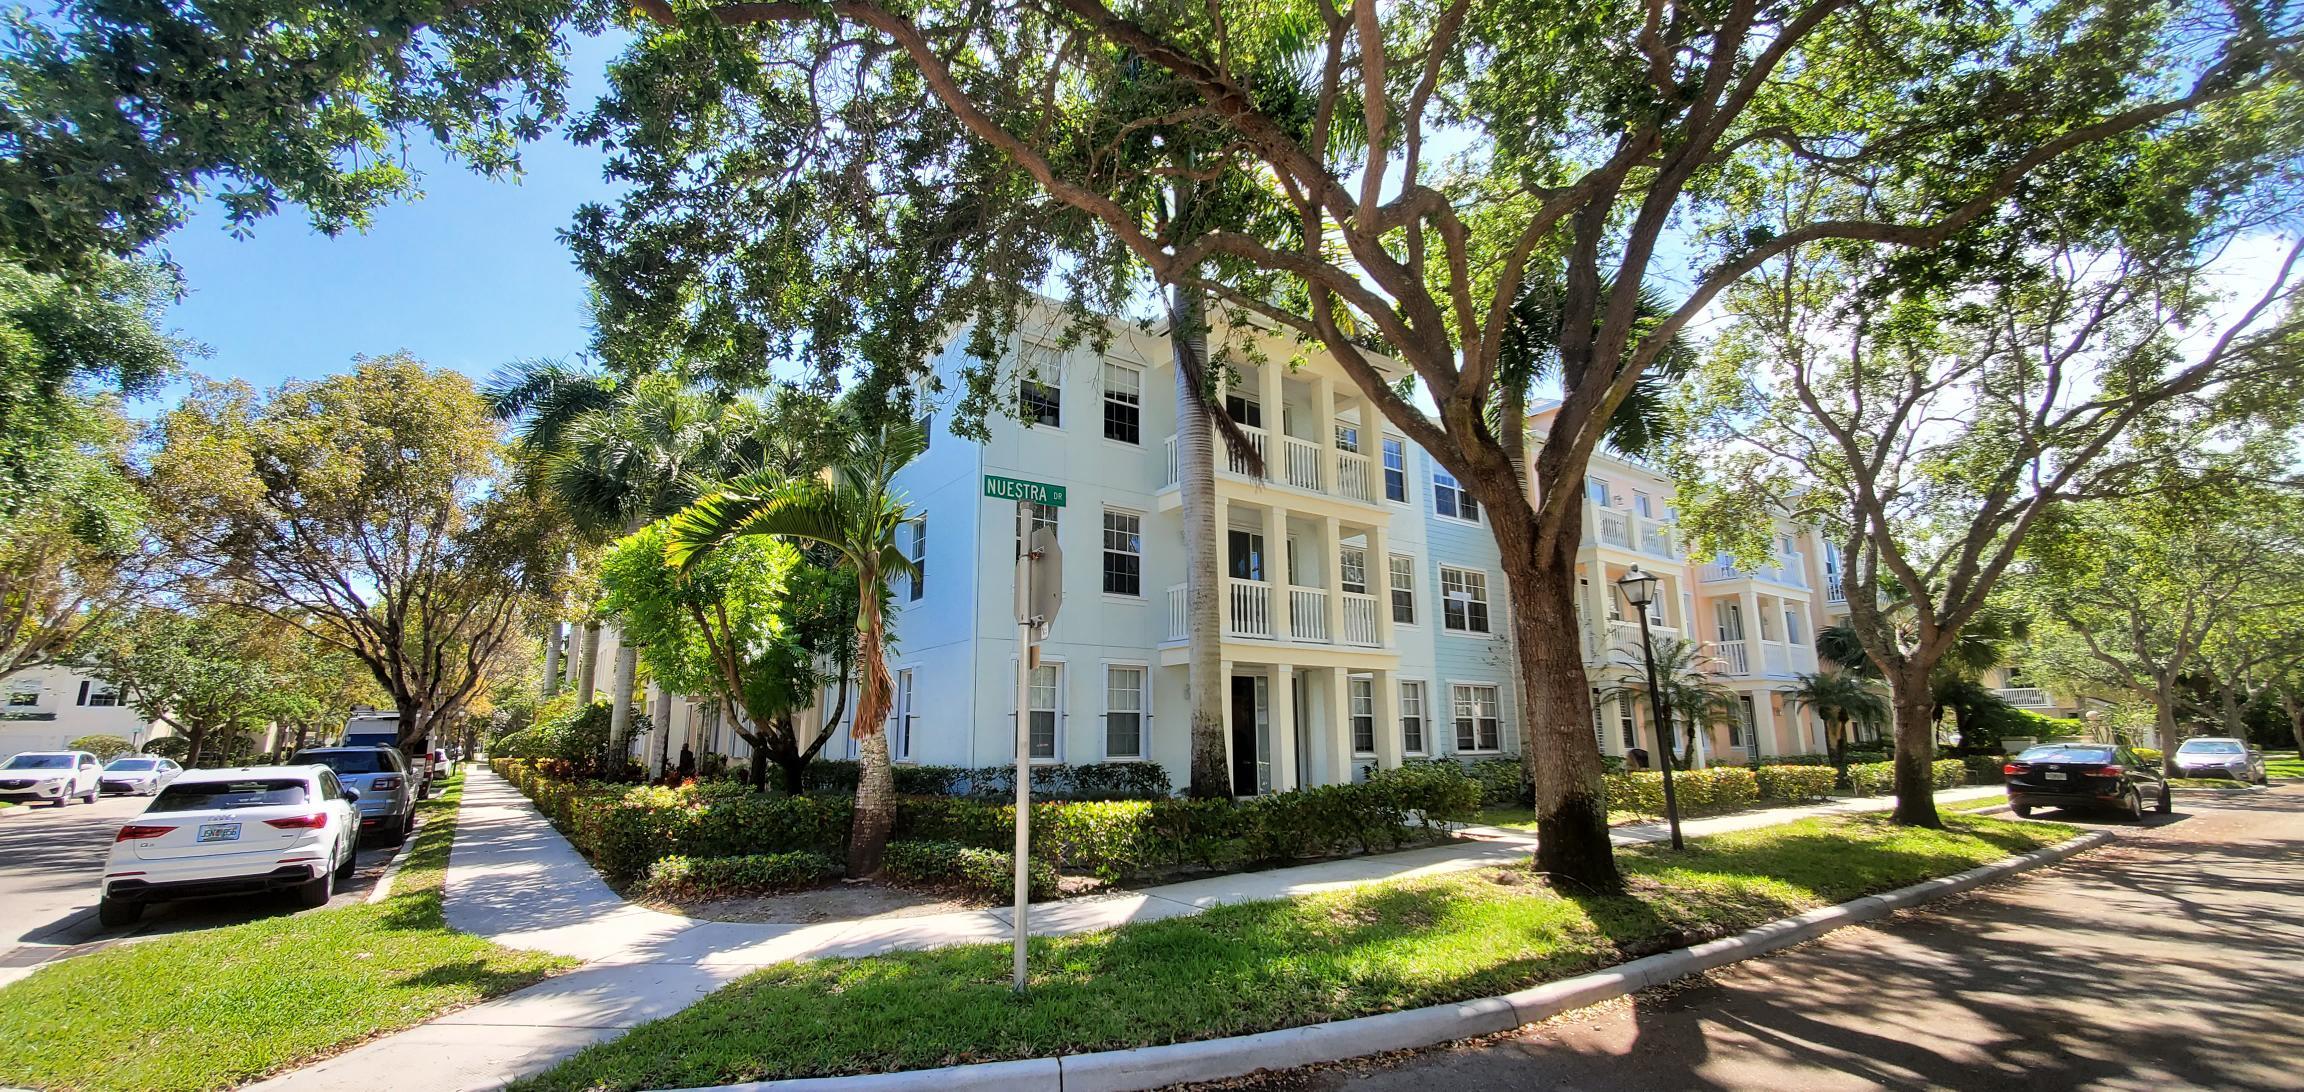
[
  {"x": 2173, "y": 958},
  {"x": 51, "y": 860}
]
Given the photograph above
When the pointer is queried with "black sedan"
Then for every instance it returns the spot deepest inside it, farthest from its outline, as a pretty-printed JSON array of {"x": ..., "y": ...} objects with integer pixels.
[{"x": 2084, "y": 775}]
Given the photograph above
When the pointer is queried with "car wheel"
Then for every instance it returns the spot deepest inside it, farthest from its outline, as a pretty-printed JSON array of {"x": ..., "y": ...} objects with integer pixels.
[
  {"x": 2167, "y": 803},
  {"x": 90, "y": 798},
  {"x": 315, "y": 894},
  {"x": 398, "y": 834},
  {"x": 2132, "y": 807},
  {"x": 2021, "y": 811},
  {"x": 351, "y": 860},
  {"x": 113, "y": 913}
]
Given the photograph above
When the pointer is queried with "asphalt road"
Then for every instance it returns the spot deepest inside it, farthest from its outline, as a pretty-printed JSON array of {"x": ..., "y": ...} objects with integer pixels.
[
  {"x": 51, "y": 860},
  {"x": 2173, "y": 958}
]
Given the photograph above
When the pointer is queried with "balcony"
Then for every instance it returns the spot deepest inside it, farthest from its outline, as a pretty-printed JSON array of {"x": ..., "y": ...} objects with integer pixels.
[
  {"x": 2025, "y": 697},
  {"x": 1303, "y": 465},
  {"x": 1251, "y": 614},
  {"x": 1834, "y": 590},
  {"x": 1771, "y": 658},
  {"x": 1787, "y": 569},
  {"x": 1623, "y": 530}
]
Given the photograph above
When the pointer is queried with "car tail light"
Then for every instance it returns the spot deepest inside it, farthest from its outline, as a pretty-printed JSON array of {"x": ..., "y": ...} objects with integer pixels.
[
  {"x": 2108, "y": 771},
  {"x": 314, "y": 821},
  {"x": 385, "y": 783},
  {"x": 2015, "y": 768},
  {"x": 134, "y": 832}
]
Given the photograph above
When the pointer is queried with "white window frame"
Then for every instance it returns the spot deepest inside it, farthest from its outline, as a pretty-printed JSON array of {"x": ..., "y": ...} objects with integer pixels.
[
  {"x": 1384, "y": 450},
  {"x": 903, "y": 712},
  {"x": 1104, "y": 534},
  {"x": 1487, "y": 609},
  {"x": 1112, "y": 396},
  {"x": 1392, "y": 573},
  {"x": 1045, "y": 373},
  {"x": 918, "y": 552},
  {"x": 1143, "y": 670},
  {"x": 1496, "y": 703},
  {"x": 1057, "y": 663},
  {"x": 1344, "y": 567},
  {"x": 1359, "y": 707},
  {"x": 1423, "y": 715},
  {"x": 1445, "y": 484},
  {"x": 1794, "y": 625},
  {"x": 24, "y": 695}
]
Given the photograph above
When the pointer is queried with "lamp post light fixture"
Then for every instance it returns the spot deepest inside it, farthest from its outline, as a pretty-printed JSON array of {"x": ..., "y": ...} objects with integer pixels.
[{"x": 1639, "y": 590}]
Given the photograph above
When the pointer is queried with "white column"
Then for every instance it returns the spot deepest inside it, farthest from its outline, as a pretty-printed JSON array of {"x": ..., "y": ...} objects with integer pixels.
[
  {"x": 1324, "y": 408},
  {"x": 1339, "y": 733},
  {"x": 1333, "y": 532},
  {"x": 1387, "y": 721},
  {"x": 1276, "y": 574},
  {"x": 1224, "y": 687},
  {"x": 1764, "y": 725},
  {"x": 1281, "y": 701},
  {"x": 1270, "y": 393},
  {"x": 1752, "y": 653},
  {"x": 1380, "y": 584}
]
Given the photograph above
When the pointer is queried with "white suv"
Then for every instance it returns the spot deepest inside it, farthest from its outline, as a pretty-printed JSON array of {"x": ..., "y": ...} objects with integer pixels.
[
  {"x": 234, "y": 832},
  {"x": 54, "y": 776}
]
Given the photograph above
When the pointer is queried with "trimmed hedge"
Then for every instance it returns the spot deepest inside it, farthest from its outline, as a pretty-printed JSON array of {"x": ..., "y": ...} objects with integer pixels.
[
  {"x": 989, "y": 873},
  {"x": 1086, "y": 781},
  {"x": 726, "y": 877},
  {"x": 1795, "y": 782},
  {"x": 1877, "y": 778},
  {"x": 1984, "y": 769},
  {"x": 1719, "y": 786}
]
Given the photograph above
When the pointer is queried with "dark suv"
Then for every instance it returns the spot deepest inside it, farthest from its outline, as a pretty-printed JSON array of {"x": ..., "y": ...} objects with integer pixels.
[
  {"x": 2084, "y": 775},
  {"x": 386, "y": 786}
]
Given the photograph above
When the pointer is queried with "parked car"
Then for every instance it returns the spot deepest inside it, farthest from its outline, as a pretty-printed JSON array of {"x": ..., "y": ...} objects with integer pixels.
[
  {"x": 2084, "y": 776},
  {"x": 55, "y": 776},
  {"x": 241, "y": 831},
  {"x": 2219, "y": 756},
  {"x": 386, "y": 785},
  {"x": 142, "y": 775}
]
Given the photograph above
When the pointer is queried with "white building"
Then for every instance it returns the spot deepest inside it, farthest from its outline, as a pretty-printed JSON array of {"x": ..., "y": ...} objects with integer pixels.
[{"x": 43, "y": 708}]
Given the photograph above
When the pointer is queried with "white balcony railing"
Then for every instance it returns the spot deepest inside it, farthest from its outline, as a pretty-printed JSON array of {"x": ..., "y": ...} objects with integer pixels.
[
  {"x": 1627, "y": 530},
  {"x": 1179, "y": 605},
  {"x": 1775, "y": 658},
  {"x": 1615, "y": 529},
  {"x": 2024, "y": 697},
  {"x": 1360, "y": 624},
  {"x": 1308, "y": 614},
  {"x": 1834, "y": 591},
  {"x": 1735, "y": 658},
  {"x": 1302, "y": 467},
  {"x": 1251, "y": 608},
  {"x": 1352, "y": 476},
  {"x": 1785, "y": 570},
  {"x": 1656, "y": 539},
  {"x": 1255, "y": 440}
]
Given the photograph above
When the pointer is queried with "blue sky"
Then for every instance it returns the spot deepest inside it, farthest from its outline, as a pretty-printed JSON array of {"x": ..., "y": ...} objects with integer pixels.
[{"x": 470, "y": 276}]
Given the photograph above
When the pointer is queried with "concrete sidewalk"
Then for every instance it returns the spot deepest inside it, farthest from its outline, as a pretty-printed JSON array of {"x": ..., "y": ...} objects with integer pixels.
[{"x": 515, "y": 880}]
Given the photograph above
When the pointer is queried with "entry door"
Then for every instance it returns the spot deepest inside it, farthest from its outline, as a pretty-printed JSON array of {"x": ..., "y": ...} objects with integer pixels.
[
  {"x": 1248, "y": 703},
  {"x": 1731, "y": 619},
  {"x": 1247, "y": 555}
]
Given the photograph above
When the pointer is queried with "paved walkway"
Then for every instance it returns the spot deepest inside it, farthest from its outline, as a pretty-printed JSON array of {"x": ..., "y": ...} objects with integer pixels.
[{"x": 516, "y": 881}]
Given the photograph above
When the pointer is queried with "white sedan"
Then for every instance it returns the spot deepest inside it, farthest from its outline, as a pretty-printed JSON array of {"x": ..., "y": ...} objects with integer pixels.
[
  {"x": 142, "y": 775},
  {"x": 239, "y": 831},
  {"x": 55, "y": 776}
]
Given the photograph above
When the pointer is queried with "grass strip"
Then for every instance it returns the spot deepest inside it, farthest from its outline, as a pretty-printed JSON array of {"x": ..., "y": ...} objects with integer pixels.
[
  {"x": 213, "y": 1008},
  {"x": 2283, "y": 764},
  {"x": 1260, "y": 966}
]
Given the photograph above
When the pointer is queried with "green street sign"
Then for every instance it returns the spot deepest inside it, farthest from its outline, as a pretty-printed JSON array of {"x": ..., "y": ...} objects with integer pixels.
[{"x": 1017, "y": 489}]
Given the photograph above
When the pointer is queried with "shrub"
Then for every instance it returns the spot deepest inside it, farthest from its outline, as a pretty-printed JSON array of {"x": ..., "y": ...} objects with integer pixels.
[
  {"x": 726, "y": 877},
  {"x": 1502, "y": 780},
  {"x": 1983, "y": 769},
  {"x": 105, "y": 748},
  {"x": 988, "y": 873},
  {"x": 575, "y": 737},
  {"x": 1792, "y": 760},
  {"x": 2148, "y": 754},
  {"x": 1794, "y": 783},
  {"x": 626, "y": 832},
  {"x": 1876, "y": 778},
  {"x": 1642, "y": 792}
]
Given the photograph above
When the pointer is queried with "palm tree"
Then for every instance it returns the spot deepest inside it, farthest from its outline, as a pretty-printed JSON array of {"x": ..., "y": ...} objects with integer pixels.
[
  {"x": 853, "y": 508},
  {"x": 1694, "y": 689},
  {"x": 1987, "y": 641},
  {"x": 1839, "y": 697}
]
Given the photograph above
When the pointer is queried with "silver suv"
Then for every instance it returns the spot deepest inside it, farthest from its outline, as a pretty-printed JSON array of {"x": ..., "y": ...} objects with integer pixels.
[{"x": 386, "y": 786}]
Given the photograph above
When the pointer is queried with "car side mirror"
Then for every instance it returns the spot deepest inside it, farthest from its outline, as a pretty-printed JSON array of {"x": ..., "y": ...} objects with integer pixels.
[{"x": 352, "y": 795}]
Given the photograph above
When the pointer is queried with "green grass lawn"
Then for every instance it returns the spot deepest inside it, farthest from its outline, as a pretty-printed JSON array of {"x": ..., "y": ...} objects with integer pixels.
[
  {"x": 2283, "y": 764},
  {"x": 1259, "y": 966},
  {"x": 215, "y": 1008}
]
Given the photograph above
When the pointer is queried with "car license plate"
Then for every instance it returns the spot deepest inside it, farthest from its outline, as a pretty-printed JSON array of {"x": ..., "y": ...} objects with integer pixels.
[
  {"x": 2054, "y": 776},
  {"x": 220, "y": 832}
]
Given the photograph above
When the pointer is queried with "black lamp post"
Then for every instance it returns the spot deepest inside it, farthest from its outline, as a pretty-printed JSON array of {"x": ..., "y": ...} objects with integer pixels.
[{"x": 1639, "y": 590}]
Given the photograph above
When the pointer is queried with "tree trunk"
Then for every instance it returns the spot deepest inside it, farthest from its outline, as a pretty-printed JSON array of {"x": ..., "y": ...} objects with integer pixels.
[
  {"x": 2295, "y": 710},
  {"x": 663, "y": 730},
  {"x": 1837, "y": 745},
  {"x": 588, "y": 672},
  {"x": 1557, "y": 752},
  {"x": 1915, "y": 746},
  {"x": 875, "y": 780},
  {"x": 2228, "y": 693},
  {"x": 1204, "y": 685},
  {"x": 620, "y": 696},
  {"x": 551, "y": 660},
  {"x": 571, "y": 659},
  {"x": 795, "y": 771},
  {"x": 759, "y": 766},
  {"x": 2164, "y": 716}
]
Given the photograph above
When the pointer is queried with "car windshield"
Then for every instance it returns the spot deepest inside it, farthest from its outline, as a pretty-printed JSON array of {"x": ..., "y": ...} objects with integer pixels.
[
  {"x": 2054, "y": 753},
  {"x": 2209, "y": 747},
  {"x": 131, "y": 764},
  {"x": 348, "y": 762},
  {"x": 39, "y": 762},
  {"x": 254, "y": 792}
]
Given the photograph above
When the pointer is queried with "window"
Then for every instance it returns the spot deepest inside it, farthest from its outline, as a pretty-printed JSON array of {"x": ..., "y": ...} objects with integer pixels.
[
  {"x": 1596, "y": 490},
  {"x": 900, "y": 717},
  {"x": 1642, "y": 505},
  {"x": 1039, "y": 400},
  {"x": 1599, "y": 720},
  {"x": 1656, "y": 605},
  {"x": 1463, "y": 600},
  {"x": 1246, "y": 555},
  {"x": 1123, "y": 404},
  {"x": 1403, "y": 590},
  {"x": 1042, "y": 516},
  {"x": 1244, "y": 411},
  {"x": 1395, "y": 469},
  {"x": 919, "y": 557},
  {"x": 1624, "y": 722},
  {"x": 1744, "y": 730},
  {"x": 99, "y": 695},
  {"x": 1348, "y": 438},
  {"x": 1123, "y": 553},
  {"x": 1449, "y": 499},
  {"x": 1792, "y": 625},
  {"x": 1477, "y": 728},
  {"x": 23, "y": 697},
  {"x": 1412, "y": 716},
  {"x": 1044, "y": 709},
  {"x": 1352, "y": 567},
  {"x": 1123, "y": 712},
  {"x": 1363, "y": 698}
]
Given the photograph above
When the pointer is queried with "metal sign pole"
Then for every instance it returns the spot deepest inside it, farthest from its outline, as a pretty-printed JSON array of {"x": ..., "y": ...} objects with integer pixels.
[{"x": 1023, "y": 729}]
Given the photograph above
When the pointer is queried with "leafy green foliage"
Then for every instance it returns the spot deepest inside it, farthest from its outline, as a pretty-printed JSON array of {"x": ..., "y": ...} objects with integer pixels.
[
  {"x": 105, "y": 748},
  {"x": 689, "y": 879},
  {"x": 982, "y": 873},
  {"x": 61, "y": 340}
]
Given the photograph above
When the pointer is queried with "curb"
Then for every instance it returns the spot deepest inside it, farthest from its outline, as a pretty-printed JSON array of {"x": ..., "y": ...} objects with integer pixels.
[
  {"x": 383, "y": 888},
  {"x": 1239, "y": 1056}
]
